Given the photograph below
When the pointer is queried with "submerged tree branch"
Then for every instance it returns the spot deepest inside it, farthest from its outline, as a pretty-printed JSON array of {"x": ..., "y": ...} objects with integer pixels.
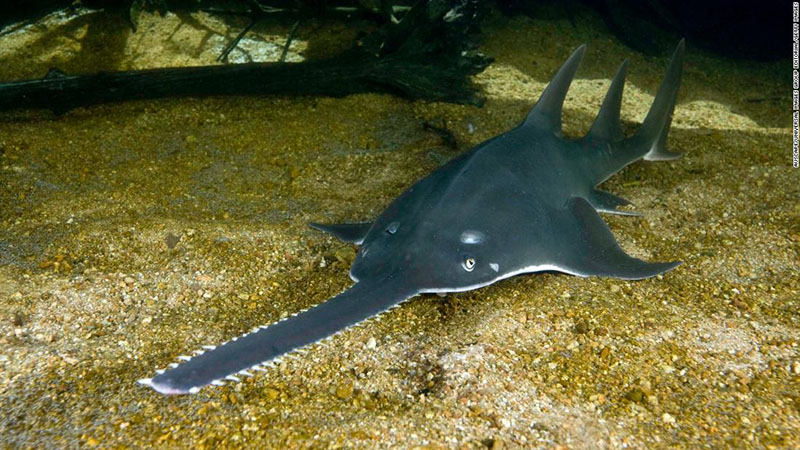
[{"x": 428, "y": 54}]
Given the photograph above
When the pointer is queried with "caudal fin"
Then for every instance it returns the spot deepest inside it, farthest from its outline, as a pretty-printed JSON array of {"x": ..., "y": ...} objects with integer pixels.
[
  {"x": 652, "y": 135},
  {"x": 650, "y": 141}
]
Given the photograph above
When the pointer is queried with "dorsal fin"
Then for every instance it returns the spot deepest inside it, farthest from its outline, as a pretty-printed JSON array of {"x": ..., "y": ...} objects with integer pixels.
[
  {"x": 606, "y": 126},
  {"x": 547, "y": 112}
]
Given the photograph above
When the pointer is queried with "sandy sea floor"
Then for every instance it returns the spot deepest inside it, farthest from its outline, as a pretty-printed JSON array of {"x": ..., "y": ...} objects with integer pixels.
[{"x": 133, "y": 233}]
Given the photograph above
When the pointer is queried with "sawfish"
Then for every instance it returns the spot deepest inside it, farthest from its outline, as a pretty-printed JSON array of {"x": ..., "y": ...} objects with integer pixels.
[{"x": 524, "y": 201}]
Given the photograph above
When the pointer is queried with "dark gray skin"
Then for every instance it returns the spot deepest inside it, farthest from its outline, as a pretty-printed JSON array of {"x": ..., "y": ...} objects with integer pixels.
[{"x": 522, "y": 202}]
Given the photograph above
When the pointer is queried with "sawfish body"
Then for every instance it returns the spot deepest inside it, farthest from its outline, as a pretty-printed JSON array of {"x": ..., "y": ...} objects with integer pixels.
[{"x": 521, "y": 202}]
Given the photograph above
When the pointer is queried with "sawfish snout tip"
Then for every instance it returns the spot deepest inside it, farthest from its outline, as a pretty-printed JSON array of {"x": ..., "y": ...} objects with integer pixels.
[{"x": 167, "y": 390}]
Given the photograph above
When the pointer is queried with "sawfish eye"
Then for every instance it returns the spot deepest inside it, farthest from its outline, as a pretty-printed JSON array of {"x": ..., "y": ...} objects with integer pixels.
[{"x": 469, "y": 264}]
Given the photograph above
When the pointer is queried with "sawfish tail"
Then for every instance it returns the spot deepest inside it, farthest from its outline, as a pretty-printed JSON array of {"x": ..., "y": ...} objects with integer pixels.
[
  {"x": 650, "y": 141},
  {"x": 267, "y": 344},
  {"x": 654, "y": 129}
]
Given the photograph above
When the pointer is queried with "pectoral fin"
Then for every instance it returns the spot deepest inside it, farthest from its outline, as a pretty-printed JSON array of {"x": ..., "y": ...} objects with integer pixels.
[
  {"x": 587, "y": 247},
  {"x": 347, "y": 232}
]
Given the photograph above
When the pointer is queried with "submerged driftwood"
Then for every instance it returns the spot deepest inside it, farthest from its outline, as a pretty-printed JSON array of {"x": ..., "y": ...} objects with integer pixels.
[{"x": 428, "y": 54}]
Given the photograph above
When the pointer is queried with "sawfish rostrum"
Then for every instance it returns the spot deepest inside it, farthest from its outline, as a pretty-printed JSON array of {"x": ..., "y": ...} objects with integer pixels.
[{"x": 524, "y": 201}]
